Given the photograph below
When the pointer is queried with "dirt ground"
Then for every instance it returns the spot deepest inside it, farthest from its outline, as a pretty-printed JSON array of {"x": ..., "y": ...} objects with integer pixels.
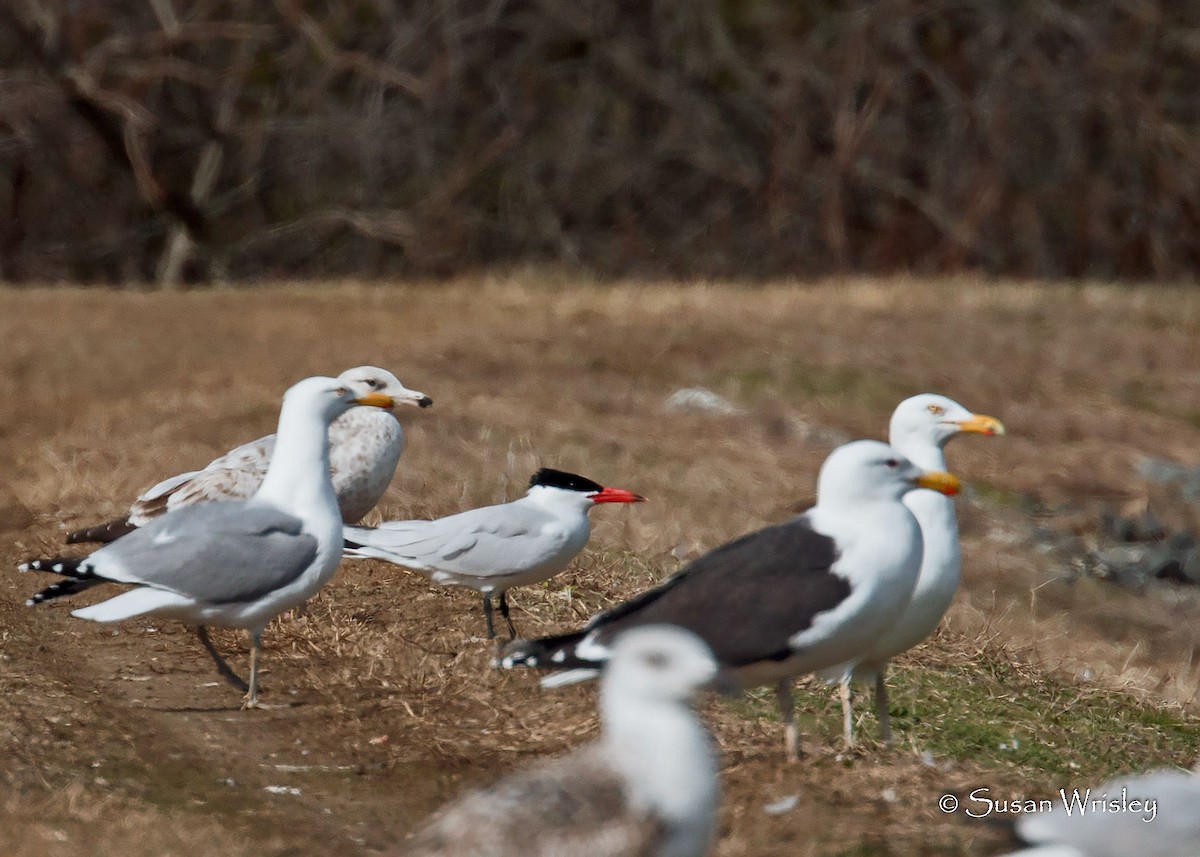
[{"x": 123, "y": 738}]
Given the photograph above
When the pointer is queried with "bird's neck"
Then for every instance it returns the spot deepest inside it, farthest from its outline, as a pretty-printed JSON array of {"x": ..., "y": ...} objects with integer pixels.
[
  {"x": 298, "y": 476},
  {"x": 560, "y": 505},
  {"x": 936, "y": 515},
  {"x": 667, "y": 757},
  {"x": 359, "y": 421},
  {"x": 922, "y": 453}
]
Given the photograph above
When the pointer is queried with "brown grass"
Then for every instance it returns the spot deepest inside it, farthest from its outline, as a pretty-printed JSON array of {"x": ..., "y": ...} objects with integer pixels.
[{"x": 117, "y": 735}]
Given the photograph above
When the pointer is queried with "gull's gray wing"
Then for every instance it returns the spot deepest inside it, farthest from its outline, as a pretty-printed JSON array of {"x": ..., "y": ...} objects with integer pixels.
[
  {"x": 1170, "y": 829},
  {"x": 217, "y": 553}
]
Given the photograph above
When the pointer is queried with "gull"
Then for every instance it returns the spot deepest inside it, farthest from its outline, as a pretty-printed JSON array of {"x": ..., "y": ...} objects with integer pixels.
[
  {"x": 1148, "y": 815},
  {"x": 495, "y": 548},
  {"x": 240, "y": 563},
  {"x": 648, "y": 787},
  {"x": 794, "y": 598},
  {"x": 364, "y": 447},
  {"x": 921, "y": 426}
]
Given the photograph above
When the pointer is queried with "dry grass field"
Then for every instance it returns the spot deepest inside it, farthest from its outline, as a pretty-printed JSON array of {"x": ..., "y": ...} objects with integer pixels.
[{"x": 117, "y": 738}]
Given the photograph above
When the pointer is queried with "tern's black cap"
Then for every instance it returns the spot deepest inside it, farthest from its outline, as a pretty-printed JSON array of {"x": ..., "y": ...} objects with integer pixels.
[{"x": 561, "y": 479}]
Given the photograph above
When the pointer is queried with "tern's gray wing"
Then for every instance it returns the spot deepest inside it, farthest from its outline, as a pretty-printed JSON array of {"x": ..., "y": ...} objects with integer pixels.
[
  {"x": 216, "y": 553},
  {"x": 490, "y": 541}
]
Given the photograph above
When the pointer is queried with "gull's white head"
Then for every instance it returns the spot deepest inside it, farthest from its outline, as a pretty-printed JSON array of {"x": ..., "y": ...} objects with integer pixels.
[
  {"x": 931, "y": 420},
  {"x": 866, "y": 471},
  {"x": 383, "y": 381},
  {"x": 660, "y": 663},
  {"x": 332, "y": 397}
]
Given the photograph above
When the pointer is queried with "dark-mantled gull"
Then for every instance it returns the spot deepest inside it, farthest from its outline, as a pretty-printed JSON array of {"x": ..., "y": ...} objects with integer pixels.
[
  {"x": 365, "y": 445},
  {"x": 791, "y": 599},
  {"x": 647, "y": 788},
  {"x": 495, "y": 548},
  {"x": 240, "y": 563},
  {"x": 1155, "y": 814},
  {"x": 921, "y": 426}
]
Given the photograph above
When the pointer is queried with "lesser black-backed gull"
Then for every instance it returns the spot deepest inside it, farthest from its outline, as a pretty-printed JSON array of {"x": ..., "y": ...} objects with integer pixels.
[
  {"x": 793, "y": 598},
  {"x": 240, "y": 563},
  {"x": 365, "y": 445},
  {"x": 647, "y": 788},
  {"x": 494, "y": 548}
]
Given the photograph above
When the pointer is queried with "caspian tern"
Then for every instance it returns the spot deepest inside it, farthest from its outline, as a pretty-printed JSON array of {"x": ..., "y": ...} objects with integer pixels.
[
  {"x": 240, "y": 563},
  {"x": 364, "y": 447},
  {"x": 802, "y": 596},
  {"x": 495, "y": 548}
]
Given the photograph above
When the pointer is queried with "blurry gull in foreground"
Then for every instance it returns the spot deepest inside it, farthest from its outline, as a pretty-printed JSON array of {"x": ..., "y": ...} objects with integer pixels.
[
  {"x": 236, "y": 564},
  {"x": 647, "y": 788},
  {"x": 495, "y": 548},
  {"x": 809, "y": 594},
  {"x": 1155, "y": 814},
  {"x": 364, "y": 447},
  {"x": 921, "y": 426}
]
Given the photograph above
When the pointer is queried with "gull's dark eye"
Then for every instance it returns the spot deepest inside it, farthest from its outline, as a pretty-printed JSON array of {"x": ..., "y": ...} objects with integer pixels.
[
  {"x": 374, "y": 383},
  {"x": 656, "y": 660},
  {"x": 891, "y": 462}
]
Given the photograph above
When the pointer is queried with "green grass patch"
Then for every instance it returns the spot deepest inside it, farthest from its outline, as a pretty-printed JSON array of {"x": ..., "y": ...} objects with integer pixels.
[
  {"x": 998, "y": 495},
  {"x": 993, "y": 712},
  {"x": 805, "y": 382}
]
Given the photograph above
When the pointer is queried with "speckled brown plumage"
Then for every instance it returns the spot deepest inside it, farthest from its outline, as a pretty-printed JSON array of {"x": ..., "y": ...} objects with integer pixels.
[
  {"x": 365, "y": 445},
  {"x": 573, "y": 805}
]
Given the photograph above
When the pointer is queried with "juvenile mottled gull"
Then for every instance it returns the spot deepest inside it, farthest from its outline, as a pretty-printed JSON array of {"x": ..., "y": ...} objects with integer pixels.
[
  {"x": 236, "y": 564},
  {"x": 364, "y": 446},
  {"x": 794, "y": 598},
  {"x": 920, "y": 429},
  {"x": 647, "y": 788},
  {"x": 1156, "y": 814},
  {"x": 495, "y": 548}
]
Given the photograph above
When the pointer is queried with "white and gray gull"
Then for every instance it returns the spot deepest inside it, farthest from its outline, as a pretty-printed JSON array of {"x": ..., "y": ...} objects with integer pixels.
[
  {"x": 494, "y": 548},
  {"x": 921, "y": 426},
  {"x": 1155, "y": 814},
  {"x": 365, "y": 445},
  {"x": 240, "y": 563},
  {"x": 647, "y": 788},
  {"x": 794, "y": 598}
]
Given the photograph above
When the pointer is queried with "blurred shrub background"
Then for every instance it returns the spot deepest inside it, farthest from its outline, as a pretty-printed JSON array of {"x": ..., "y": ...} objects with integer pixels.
[{"x": 169, "y": 141}]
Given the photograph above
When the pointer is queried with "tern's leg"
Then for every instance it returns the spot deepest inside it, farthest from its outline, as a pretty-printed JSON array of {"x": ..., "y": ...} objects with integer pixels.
[
  {"x": 223, "y": 668},
  {"x": 255, "y": 650},
  {"x": 881, "y": 707},
  {"x": 847, "y": 711},
  {"x": 512, "y": 632},
  {"x": 787, "y": 713},
  {"x": 487, "y": 614}
]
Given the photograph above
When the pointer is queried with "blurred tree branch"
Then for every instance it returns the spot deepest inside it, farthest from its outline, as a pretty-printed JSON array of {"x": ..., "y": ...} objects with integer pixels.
[{"x": 176, "y": 141}]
